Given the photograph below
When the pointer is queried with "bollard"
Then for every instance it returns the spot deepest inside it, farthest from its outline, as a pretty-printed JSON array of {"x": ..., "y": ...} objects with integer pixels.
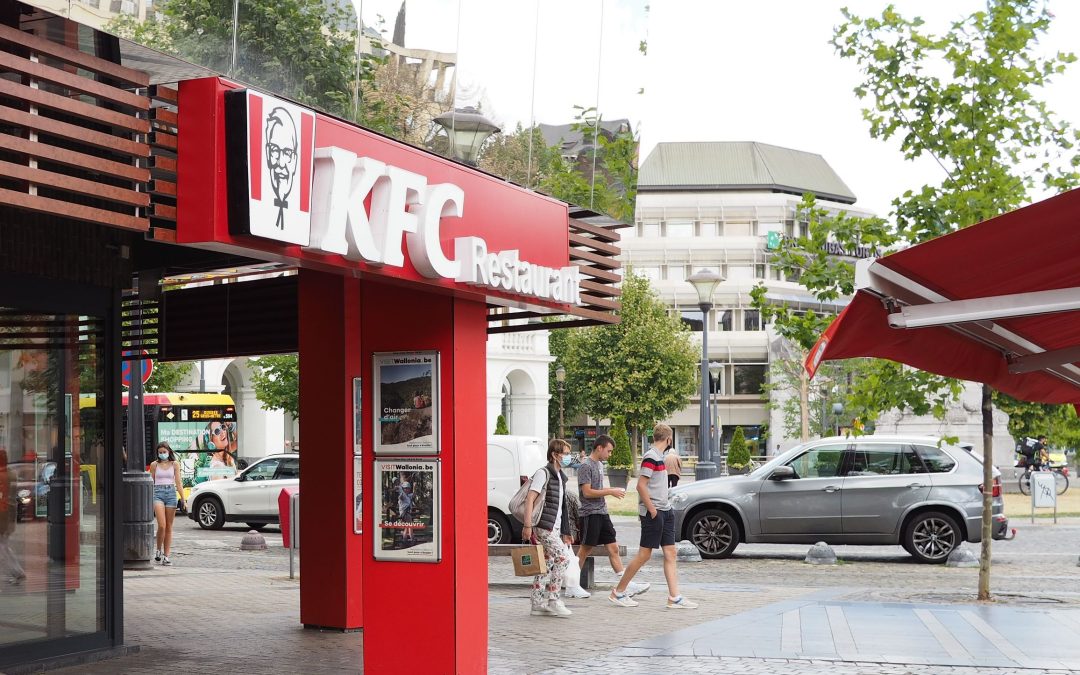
[
  {"x": 138, "y": 516},
  {"x": 687, "y": 552},
  {"x": 821, "y": 554},
  {"x": 253, "y": 541},
  {"x": 962, "y": 557}
]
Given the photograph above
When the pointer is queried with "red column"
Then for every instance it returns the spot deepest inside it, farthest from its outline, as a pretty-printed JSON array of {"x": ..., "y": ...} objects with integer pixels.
[
  {"x": 432, "y": 618},
  {"x": 332, "y": 560}
]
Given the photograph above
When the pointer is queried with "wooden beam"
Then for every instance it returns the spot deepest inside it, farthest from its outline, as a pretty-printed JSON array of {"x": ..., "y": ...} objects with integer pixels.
[
  {"x": 595, "y": 230},
  {"x": 598, "y": 273},
  {"x": 74, "y": 158},
  {"x": 73, "y": 56},
  {"x": 62, "y": 181},
  {"x": 595, "y": 244},
  {"x": 86, "y": 85},
  {"x": 596, "y": 260},
  {"x": 600, "y": 288},
  {"x": 56, "y": 207},
  {"x": 120, "y": 146}
]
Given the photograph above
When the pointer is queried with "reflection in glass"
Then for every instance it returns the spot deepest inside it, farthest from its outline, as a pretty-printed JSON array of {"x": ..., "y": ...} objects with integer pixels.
[{"x": 51, "y": 476}]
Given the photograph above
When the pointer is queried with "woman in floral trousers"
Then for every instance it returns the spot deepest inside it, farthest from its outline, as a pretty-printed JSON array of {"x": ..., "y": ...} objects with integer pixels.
[{"x": 547, "y": 492}]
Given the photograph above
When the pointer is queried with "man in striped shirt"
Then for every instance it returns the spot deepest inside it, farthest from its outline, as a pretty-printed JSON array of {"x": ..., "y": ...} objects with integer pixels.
[{"x": 657, "y": 524}]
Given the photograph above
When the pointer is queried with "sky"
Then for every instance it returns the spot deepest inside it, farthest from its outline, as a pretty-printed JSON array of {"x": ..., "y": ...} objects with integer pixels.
[{"x": 716, "y": 70}]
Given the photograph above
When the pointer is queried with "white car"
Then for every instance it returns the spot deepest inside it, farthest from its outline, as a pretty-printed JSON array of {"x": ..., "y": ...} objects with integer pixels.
[
  {"x": 251, "y": 497},
  {"x": 512, "y": 460}
]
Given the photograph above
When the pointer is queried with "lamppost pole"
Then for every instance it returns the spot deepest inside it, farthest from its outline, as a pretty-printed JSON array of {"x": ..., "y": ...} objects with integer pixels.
[
  {"x": 560, "y": 381},
  {"x": 716, "y": 369},
  {"x": 704, "y": 282}
]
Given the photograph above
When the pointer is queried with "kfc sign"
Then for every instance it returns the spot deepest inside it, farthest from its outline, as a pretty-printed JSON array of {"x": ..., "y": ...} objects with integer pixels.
[{"x": 332, "y": 200}]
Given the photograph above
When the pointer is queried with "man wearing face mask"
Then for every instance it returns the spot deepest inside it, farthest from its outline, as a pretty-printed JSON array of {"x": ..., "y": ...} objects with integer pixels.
[{"x": 167, "y": 483}]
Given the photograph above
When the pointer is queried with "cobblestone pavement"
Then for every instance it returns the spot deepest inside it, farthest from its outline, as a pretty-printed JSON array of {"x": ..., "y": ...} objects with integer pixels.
[{"x": 222, "y": 610}]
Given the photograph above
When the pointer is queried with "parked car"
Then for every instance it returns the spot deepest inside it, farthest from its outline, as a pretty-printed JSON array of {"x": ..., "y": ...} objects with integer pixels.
[
  {"x": 250, "y": 497},
  {"x": 868, "y": 490},
  {"x": 512, "y": 460}
]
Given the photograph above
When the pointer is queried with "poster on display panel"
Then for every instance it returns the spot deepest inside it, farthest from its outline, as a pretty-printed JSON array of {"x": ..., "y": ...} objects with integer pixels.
[
  {"x": 406, "y": 403},
  {"x": 407, "y": 513}
]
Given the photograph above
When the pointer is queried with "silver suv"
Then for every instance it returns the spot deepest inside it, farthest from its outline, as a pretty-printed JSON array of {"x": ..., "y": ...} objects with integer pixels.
[{"x": 906, "y": 490}]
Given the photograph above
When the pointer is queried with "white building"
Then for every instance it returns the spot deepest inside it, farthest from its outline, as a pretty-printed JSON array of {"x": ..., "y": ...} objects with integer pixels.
[{"x": 712, "y": 205}]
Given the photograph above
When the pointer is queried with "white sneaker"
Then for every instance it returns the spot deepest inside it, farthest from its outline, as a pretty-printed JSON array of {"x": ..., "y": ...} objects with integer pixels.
[
  {"x": 576, "y": 592},
  {"x": 157, "y": 555},
  {"x": 623, "y": 600},
  {"x": 165, "y": 560},
  {"x": 541, "y": 610},
  {"x": 681, "y": 603},
  {"x": 634, "y": 588},
  {"x": 557, "y": 608}
]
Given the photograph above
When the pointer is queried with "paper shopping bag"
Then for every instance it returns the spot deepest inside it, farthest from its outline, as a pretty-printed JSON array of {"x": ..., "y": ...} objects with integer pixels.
[{"x": 529, "y": 560}]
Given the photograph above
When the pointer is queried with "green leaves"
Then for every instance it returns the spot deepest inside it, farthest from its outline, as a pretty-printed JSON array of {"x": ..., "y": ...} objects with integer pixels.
[
  {"x": 641, "y": 369},
  {"x": 276, "y": 380}
]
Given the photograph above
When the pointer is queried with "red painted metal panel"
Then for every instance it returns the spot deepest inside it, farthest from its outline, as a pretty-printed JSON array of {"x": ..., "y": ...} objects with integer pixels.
[
  {"x": 255, "y": 143},
  {"x": 307, "y": 129}
]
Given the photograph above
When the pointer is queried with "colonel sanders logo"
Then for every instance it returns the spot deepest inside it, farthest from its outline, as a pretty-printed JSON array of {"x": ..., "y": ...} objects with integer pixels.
[{"x": 270, "y": 159}]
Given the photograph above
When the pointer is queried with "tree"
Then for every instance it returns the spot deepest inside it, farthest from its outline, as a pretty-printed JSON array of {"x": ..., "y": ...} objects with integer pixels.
[
  {"x": 298, "y": 48},
  {"x": 573, "y": 396},
  {"x": 500, "y": 426},
  {"x": 641, "y": 369},
  {"x": 738, "y": 454},
  {"x": 967, "y": 99},
  {"x": 867, "y": 387},
  {"x": 622, "y": 457},
  {"x": 1058, "y": 422},
  {"x": 276, "y": 380},
  {"x": 167, "y": 376}
]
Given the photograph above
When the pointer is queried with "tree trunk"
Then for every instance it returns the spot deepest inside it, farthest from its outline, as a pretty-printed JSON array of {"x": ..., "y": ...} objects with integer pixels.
[
  {"x": 804, "y": 403},
  {"x": 988, "y": 493}
]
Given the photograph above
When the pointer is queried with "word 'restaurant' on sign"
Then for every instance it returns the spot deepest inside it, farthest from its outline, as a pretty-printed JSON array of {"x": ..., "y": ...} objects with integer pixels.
[{"x": 504, "y": 270}]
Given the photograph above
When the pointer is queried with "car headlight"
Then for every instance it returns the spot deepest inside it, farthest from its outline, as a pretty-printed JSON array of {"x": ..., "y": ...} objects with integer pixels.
[{"x": 678, "y": 498}]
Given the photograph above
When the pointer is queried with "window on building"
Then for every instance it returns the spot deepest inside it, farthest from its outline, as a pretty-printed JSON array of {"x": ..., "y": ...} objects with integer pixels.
[
  {"x": 676, "y": 272},
  {"x": 804, "y": 228},
  {"x": 738, "y": 229},
  {"x": 751, "y": 319},
  {"x": 650, "y": 272},
  {"x": 794, "y": 274},
  {"x": 789, "y": 228},
  {"x": 650, "y": 229},
  {"x": 724, "y": 319},
  {"x": 692, "y": 318},
  {"x": 708, "y": 230},
  {"x": 775, "y": 274},
  {"x": 680, "y": 228},
  {"x": 740, "y": 272},
  {"x": 759, "y": 271},
  {"x": 764, "y": 227},
  {"x": 749, "y": 378}
]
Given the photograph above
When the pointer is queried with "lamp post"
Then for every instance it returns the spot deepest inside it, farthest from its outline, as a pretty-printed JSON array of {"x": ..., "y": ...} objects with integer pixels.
[
  {"x": 560, "y": 382},
  {"x": 704, "y": 282},
  {"x": 466, "y": 129},
  {"x": 837, "y": 411},
  {"x": 715, "y": 368}
]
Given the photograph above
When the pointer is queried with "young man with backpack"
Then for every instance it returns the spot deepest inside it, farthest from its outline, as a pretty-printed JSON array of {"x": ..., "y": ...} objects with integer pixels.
[{"x": 1032, "y": 452}]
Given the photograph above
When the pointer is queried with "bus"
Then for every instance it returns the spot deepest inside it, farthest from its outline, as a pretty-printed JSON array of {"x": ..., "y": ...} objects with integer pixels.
[{"x": 200, "y": 428}]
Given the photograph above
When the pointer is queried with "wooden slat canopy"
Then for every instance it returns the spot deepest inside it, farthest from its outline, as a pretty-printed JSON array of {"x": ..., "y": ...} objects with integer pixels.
[{"x": 73, "y": 140}]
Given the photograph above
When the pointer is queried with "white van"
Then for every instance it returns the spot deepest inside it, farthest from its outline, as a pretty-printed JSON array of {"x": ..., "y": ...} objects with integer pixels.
[{"x": 512, "y": 460}]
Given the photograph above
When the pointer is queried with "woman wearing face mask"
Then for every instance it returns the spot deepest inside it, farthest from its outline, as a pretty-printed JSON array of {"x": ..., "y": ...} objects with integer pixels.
[
  {"x": 167, "y": 483},
  {"x": 547, "y": 492}
]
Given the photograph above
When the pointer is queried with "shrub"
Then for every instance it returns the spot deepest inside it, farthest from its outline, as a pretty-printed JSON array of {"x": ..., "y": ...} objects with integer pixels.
[
  {"x": 738, "y": 451},
  {"x": 622, "y": 456},
  {"x": 500, "y": 427}
]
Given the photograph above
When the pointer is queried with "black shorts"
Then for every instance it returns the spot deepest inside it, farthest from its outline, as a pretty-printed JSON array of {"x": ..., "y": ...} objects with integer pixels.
[
  {"x": 672, "y": 480},
  {"x": 597, "y": 530},
  {"x": 658, "y": 531}
]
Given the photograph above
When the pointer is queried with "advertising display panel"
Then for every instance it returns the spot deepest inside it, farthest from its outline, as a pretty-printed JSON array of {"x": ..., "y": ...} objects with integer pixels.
[
  {"x": 406, "y": 403},
  {"x": 407, "y": 525}
]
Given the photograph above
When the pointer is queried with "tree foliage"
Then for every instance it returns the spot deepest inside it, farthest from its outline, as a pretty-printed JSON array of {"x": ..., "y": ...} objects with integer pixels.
[
  {"x": 276, "y": 380},
  {"x": 867, "y": 387},
  {"x": 622, "y": 457},
  {"x": 500, "y": 426},
  {"x": 967, "y": 98},
  {"x": 738, "y": 454},
  {"x": 1058, "y": 422},
  {"x": 167, "y": 376},
  {"x": 642, "y": 369}
]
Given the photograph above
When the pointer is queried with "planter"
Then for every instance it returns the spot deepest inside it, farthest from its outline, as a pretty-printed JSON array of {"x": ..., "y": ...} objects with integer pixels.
[
  {"x": 738, "y": 471},
  {"x": 618, "y": 477}
]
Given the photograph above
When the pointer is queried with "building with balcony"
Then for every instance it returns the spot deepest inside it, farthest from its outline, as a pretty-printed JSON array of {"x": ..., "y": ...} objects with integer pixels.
[{"x": 712, "y": 206}]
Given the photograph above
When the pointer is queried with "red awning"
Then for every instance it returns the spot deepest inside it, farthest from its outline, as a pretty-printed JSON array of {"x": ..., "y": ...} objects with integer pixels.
[{"x": 997, "y": 302}]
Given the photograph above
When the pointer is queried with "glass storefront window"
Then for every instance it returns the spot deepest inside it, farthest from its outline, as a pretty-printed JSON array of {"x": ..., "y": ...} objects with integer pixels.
[
  {"x": 749, "y": 378},
  {"x": 52, "y": 454}
]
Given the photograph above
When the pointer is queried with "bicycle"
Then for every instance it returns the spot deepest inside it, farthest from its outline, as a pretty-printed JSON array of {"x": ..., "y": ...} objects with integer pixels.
[{"x": 1061, "y": 478}]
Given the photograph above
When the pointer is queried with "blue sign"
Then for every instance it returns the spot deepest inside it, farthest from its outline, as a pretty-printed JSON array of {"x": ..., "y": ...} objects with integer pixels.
[{"x": 146, "y": 369}]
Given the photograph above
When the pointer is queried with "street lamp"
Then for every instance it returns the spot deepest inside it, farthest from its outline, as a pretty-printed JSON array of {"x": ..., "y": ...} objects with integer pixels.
[
  {"x": 837, "y": 411},
  {"x": 704, "y": 282},
  {"x": 560, "y": 382},
  {"x": 467, "y": 129},
  {"x": 715, "y": 368}
]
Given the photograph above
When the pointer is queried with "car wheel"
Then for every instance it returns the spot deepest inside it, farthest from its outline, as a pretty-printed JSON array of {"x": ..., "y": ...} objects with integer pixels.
[
  {"x": 932, "y": 536},
  {"x": 210, "y": 514},
  {"x": 498, "y": 530},
  {"x": 715, "y": 533},
  {"x": 257, "y": 526}
]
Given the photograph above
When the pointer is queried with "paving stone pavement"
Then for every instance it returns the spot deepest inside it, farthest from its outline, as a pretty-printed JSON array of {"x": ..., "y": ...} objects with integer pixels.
[{"x": 220, "y": 610}]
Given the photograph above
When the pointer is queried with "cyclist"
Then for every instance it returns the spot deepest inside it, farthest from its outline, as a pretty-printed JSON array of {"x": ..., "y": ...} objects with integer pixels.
[{"x": 1032, "y": 451}]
